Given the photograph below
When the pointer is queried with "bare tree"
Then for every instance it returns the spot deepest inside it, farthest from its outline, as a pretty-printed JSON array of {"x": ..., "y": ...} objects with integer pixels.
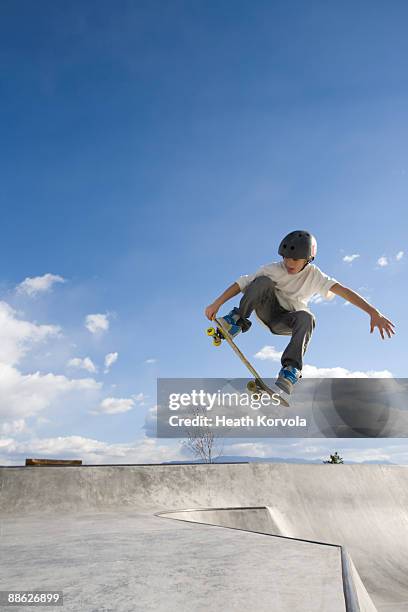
[{"x": 201, "y": 440}]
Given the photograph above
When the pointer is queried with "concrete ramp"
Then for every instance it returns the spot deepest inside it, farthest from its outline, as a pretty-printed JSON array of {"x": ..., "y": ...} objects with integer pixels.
[
  {"x": 261, "y": 520},
  {"x": 361, "y": 508}
]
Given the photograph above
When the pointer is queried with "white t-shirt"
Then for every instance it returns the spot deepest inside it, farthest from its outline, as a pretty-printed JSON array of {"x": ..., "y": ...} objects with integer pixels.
[{"x": 293, "y": 290}]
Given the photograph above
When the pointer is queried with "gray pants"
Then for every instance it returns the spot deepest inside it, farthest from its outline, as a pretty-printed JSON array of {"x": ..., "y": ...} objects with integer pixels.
[{"x": 260, "y": 296}]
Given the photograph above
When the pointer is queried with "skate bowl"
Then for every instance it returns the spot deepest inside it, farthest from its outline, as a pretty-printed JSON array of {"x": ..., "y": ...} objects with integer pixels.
[
  {"x": 350, "y": 521},
  {"x": 263, "y": 521}
]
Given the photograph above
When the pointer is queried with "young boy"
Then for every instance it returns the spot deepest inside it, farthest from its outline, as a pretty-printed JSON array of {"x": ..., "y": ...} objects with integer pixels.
[{"x": 279, "y": 293}]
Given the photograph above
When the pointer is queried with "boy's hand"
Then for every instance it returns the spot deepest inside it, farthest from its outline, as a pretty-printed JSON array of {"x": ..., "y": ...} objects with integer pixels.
[
  {"x": 383, "y": 324},
  {"x": 211, "y": 310}
]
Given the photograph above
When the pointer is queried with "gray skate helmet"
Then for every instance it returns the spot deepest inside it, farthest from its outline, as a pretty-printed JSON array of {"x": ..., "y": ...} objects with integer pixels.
[{"x": 299, "y": 244}]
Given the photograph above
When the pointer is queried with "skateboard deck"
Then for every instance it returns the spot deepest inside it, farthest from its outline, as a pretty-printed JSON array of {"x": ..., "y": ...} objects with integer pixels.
[{"x": 256, "y": 385}]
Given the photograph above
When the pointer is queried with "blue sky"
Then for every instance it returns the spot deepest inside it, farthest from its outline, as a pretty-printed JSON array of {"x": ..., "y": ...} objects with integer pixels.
[{"x": 152, "y": 152}]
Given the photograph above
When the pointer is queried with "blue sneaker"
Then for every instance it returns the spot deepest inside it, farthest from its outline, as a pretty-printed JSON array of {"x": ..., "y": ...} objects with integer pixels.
[
  {"x": 287, "y": 377},
  {"x": 230, "y": 322}
]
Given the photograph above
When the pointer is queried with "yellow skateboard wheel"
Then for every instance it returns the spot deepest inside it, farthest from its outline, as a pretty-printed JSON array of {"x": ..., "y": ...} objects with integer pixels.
[
  {"x": 252, "y": 387},
  {"x": 210, "y": 331},
  {"x": 216, "y": 342}
]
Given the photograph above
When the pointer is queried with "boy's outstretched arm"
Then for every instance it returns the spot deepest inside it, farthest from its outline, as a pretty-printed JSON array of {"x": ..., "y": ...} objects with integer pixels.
[
  {"x": 377, "y": 319},
  {"x": 212, "y": 309}
]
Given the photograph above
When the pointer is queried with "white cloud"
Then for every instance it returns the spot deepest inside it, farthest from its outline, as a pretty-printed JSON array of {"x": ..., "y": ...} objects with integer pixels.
[
  {"x": 249, "y": 449},
  {"x": 41, "y": 420},
  {"x": 10, "y": 428},
  {"x": 140, "y": 398},
  {"x": 151, "y": 360},
  {"x": 39, "y": 284},
  {"x": 25, "y": 395},
  {"x": 268, "y": 353},
  {"x": 152, "y": 450},
  {"x": 91, "y": 451},
  {"x": 310, "y": 371},
  {"x": 97, "y": 323},
  {"x": 18, "y": 336},
  {"x": 114, "y": 405},
  {"x": 382, "y": 262},
  {"x": 399, "y": 255},
  {"x": 110, "y": 359},
  {"x": 83, "y": 364},
  {"x": 350, "y": 258}
]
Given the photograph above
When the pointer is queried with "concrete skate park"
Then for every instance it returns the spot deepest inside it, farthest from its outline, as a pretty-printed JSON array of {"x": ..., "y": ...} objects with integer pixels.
[{"x": 253, "y": 536}]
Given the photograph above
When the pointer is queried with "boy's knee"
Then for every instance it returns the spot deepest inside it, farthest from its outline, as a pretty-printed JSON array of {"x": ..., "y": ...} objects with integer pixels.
[{"x": 306, "y": 319}]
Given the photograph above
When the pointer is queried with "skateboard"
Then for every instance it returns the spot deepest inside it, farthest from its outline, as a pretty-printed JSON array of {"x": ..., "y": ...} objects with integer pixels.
[{"x": 257, "y": 385}]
